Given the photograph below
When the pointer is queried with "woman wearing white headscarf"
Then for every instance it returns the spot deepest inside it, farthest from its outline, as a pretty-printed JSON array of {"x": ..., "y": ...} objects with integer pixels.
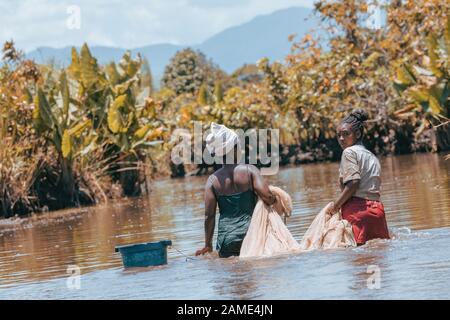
[{"x": 234, "y": 188}]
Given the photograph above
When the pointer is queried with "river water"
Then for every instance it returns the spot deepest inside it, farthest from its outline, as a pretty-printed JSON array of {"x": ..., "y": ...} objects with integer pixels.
[{"x": 35, "y": 253}]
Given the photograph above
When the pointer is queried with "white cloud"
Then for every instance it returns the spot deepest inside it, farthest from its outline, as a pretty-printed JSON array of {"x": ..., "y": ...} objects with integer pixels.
[{"x": 127, "y": 24}]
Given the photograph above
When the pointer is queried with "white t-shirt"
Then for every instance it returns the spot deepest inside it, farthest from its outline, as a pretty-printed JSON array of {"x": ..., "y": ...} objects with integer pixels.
[{"x": 358, "y": 163}]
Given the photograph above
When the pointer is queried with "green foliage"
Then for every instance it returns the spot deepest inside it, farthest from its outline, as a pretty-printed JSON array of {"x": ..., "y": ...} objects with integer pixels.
[
  {"x": 202, "y": 96},
  {"x": 188, "y": 70},
  {"x": 248, "y": 74},
  {"x": 147, "y": 77},
  {"x": 428, "y": 85},
  {"x": 218, "y": 92},
  {"x": 90, "y": 109}
]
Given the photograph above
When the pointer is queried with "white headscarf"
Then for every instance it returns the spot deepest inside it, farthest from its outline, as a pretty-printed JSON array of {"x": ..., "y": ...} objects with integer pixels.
[{"x": 221, "y": 140}]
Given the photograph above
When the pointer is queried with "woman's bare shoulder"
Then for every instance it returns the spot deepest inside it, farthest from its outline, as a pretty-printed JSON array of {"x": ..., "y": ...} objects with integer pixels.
[
  {"x": 252, "y": 168},
  {"x": 245, "y": 169}
]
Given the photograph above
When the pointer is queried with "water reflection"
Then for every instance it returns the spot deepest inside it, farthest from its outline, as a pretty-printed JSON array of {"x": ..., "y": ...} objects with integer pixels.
[{"x": 235, "y": 280}]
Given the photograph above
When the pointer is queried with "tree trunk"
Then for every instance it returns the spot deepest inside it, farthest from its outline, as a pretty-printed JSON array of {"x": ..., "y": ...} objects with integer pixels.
[
  {"x": 67, "y": 183},
  {"x": 129, "y": 178},
  {"x": 442, "y": 137}
]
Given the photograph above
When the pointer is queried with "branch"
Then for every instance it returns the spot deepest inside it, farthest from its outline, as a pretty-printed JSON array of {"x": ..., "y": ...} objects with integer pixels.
[{"x": 442, "y": 124}]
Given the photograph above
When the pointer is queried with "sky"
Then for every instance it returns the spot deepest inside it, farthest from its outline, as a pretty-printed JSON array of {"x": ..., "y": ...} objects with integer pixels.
[{"x": 127, "y": 23}]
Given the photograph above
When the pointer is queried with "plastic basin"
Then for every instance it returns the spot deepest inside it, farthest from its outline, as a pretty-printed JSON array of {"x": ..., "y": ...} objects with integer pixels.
[{"x": 144, "y": 254}]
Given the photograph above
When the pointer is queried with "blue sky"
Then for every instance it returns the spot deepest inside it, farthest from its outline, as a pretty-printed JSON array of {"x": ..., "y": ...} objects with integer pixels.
[{"x": 126, "y": 24}]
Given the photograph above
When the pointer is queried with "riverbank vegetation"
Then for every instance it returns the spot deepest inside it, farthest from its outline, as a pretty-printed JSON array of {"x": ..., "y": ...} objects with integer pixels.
[{"x": 88, "y": 133}]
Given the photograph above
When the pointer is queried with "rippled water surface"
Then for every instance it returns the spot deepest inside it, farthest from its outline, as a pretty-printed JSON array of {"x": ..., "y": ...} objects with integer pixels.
[{"x": 35, "y": 253}]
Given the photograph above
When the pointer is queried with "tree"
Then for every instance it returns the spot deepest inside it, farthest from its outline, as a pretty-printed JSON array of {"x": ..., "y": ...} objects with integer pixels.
[
  {"x": 188, "y": 70},
  {"x": 202, "y": 97},
  {"x": 358, "y": 69},
  {"x": 218, "y": 92},
  {"x": 248, "y": 73},
  {"x": 427, "y": 86},
  {"x": 147, "y": 77},
  {"x": 18, "y": 78}
]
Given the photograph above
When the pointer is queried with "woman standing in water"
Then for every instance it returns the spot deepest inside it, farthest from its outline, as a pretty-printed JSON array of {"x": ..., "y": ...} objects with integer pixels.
[
  {"x": 359, "y": 176},
  {"x": 234, "y": 188}
]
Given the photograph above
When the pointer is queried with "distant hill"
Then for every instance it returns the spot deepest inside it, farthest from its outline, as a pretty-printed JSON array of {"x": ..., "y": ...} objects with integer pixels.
[{"x": 263, "y": 36}]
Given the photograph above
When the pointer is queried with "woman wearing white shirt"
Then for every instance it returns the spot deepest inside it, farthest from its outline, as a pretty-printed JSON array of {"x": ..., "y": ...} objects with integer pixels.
[{"x": 360, "y": 182}]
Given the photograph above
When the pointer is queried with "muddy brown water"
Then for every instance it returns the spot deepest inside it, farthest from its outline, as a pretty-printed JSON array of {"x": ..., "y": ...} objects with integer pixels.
[{"x": 35, "y": 253}]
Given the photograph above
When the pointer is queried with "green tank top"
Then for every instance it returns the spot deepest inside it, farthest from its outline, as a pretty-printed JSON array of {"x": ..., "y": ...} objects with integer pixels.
[{"x": 235, "y": 215}]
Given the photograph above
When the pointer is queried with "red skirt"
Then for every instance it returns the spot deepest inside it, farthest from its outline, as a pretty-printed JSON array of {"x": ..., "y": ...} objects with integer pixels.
[{"x": 367, "y": 219}]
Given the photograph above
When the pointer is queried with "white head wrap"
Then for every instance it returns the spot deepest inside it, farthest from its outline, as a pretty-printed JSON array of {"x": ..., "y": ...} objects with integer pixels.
[{"x": 221, "y": 140}]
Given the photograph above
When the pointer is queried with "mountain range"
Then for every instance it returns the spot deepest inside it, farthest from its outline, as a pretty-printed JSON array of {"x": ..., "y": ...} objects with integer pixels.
[{"x": 263, "y": 36}]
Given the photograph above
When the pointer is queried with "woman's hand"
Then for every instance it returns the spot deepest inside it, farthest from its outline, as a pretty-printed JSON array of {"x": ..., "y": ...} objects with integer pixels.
[
  {"x": 203, "y": 251},
  {"x": 348, "y": 192},
  {"x": 331, "y": 209},
  {"x": 278, "y": 206}
]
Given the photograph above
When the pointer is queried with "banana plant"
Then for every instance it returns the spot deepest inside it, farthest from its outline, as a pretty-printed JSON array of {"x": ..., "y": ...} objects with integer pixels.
[
  {"x": 428, "y": 86},
  {"x": 92, "y": 107},
  {"x": 132, "y": 116},
  {"x": 91, "y": 86},
  {"x": 65, "y": 128},
  {"x": 114, "y": 100}
]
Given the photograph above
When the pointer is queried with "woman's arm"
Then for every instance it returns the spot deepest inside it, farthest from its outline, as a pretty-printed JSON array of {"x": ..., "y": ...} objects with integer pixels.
[
  {"x": 349, "y": 190},
  {"x": 261, "y": 187},
  {"x": 349, "y": 179},
  {"x": 210, "y": 218}
]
